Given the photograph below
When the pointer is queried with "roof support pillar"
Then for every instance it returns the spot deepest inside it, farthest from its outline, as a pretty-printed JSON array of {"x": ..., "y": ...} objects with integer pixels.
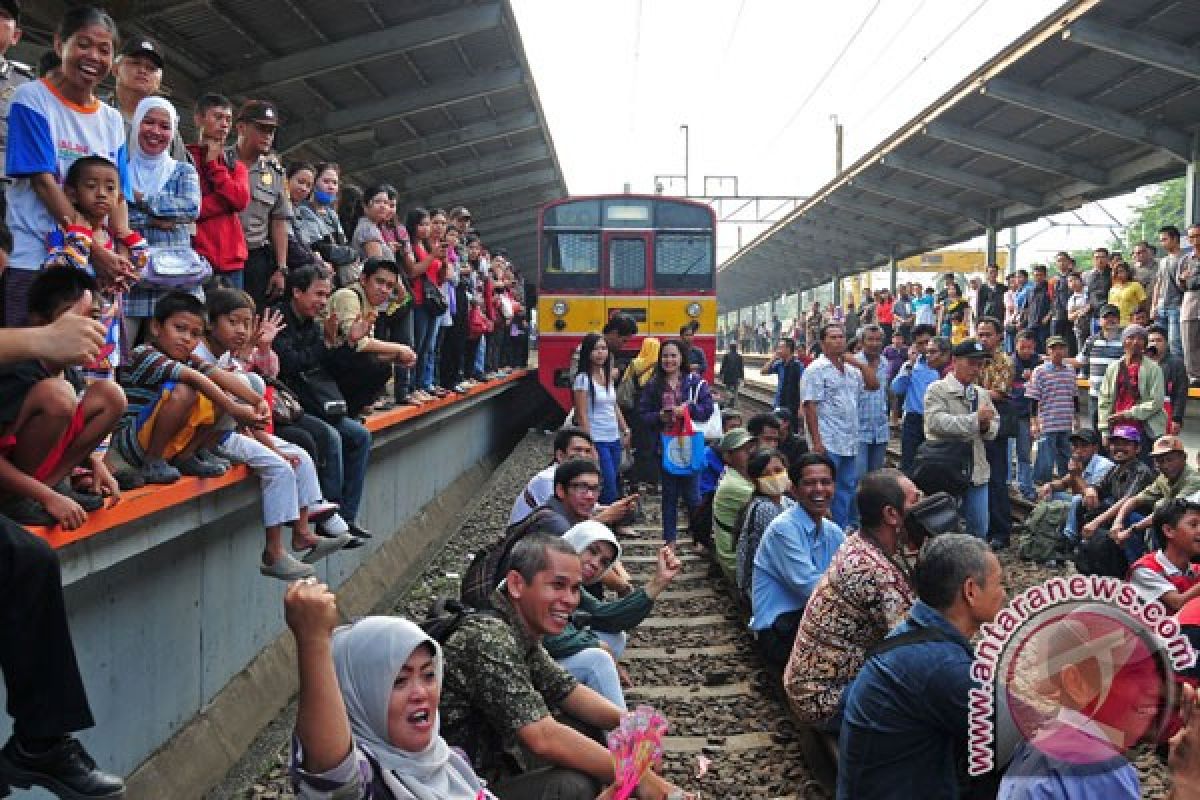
[
  {"x": 1191, "y": 185},
  {"x": 990, "y": 231},
  {"x": 892, "y": 271},
  {"x": 837, "y": 283}
]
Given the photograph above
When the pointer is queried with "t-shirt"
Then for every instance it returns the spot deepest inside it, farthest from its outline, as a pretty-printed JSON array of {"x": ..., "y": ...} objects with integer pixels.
[
  {"x": 538, "y": 491},
  {"x": 602, "y": 408},
  {"x": 143, "y": 380},
  {"x": 46, "y": 134},
  {"x": 1151, "y": 584},
  {"x": 367, "y": 231},
  {"x": 1127, "y": 298},
  {"x": 923, "y": 307}
]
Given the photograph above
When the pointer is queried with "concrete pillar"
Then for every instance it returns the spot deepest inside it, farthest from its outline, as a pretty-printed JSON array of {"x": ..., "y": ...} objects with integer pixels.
[
  {"x": 837, "y": 285},
  {"x": 1191, "y": 186},
  {"x": 892, "y": 272},
  {"x": 990, "y": 231}
]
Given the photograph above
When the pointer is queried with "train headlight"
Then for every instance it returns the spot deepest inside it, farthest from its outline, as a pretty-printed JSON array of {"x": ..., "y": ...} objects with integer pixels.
[
  {"x": 559, "y": 308},
  {"x": 693, "y": 310}
]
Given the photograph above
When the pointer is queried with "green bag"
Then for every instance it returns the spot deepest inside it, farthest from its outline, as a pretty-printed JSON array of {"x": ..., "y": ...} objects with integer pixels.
[{"x": 1043, "y": 539}]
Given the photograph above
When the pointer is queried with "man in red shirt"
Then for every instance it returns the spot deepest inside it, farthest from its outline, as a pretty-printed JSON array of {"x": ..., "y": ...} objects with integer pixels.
[{"x": 224, "y": 190}]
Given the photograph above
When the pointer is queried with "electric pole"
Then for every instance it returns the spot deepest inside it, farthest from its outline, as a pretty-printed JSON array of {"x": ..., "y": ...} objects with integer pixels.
[{"x": 837, "y": 145}]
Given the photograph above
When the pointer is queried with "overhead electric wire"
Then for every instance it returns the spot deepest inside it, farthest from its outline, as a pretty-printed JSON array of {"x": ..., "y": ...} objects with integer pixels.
[
  {"x": 825, "y": 76},
  {"x": 881, "y": 52}
]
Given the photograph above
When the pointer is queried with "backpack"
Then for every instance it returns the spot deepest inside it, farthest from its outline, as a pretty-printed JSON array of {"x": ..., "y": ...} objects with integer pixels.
[
  {"x": 447, "y": 614},
  {"x": 1043, "y": 539},
  {"x": 488, "y": 566}
]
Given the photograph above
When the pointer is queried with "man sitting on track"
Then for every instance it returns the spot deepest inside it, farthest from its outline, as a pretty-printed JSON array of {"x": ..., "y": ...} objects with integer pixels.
[
  {"x": 906, "y": 713},
  {"x": 862, "y": 596},
  {"x": 569, "y": 444},
  {"x": 500, "y": 685}
]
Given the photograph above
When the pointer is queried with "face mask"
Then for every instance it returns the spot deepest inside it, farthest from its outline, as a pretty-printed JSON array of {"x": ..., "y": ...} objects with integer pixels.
[
  {"x": 324, "y": 198},
  {"x": 774, "y": 484}
]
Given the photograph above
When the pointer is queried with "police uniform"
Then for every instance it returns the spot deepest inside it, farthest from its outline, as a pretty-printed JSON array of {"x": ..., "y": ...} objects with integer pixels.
[
  {"x": 269, "y": 200},
  {"x": 12, "y": 75}
]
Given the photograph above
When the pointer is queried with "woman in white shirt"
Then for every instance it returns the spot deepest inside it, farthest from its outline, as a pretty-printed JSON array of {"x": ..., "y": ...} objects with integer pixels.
[{"x": 596, "y": 411}]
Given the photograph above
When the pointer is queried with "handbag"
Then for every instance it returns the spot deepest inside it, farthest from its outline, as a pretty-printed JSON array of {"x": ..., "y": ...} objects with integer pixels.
[
  {"x": 945, "y": 465},
  {"x": 683, "y": 453},
  {"x": 175, "y": 267},
  {"x": 711, "y": 427},
  {"x": 435, "y": 301},
  {"x": 1008, "y": 419},
  {"x": 319, "y": 394}
]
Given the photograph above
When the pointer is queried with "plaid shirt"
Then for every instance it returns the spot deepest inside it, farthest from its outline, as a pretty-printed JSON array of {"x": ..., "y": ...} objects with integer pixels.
[
  {"x": 1054, "y": 390},
  {"x": 835, "y": 393},
  {"x": 178, "y": 202},
  {"x": 873, "y": 407}
]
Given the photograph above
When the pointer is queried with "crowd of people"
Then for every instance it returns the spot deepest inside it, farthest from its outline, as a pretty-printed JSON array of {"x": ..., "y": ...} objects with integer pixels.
[{"x": 176, "y": 308}]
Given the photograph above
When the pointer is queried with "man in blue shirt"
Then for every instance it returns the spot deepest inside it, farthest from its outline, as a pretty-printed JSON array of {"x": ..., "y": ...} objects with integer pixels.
[
  {"x": 794, "y": 553},
  {"x": 787, "y": 370},
  {"x": 906, "y": 716},
  {"x": 927, "y": 357}
]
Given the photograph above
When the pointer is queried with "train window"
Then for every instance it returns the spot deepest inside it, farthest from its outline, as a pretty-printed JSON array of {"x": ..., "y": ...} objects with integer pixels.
[
  {"x": 681, "y": 215},
  {"x": 683, "y": 261},
  {"x": 570, "y": 260},
  {"x": 627, "y": 264},
  {"x": 626, "y": 214},
  {"x": 578, "y": 214}
]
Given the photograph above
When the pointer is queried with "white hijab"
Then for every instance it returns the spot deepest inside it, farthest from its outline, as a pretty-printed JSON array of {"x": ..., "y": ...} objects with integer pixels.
[
  {"x": 148, "y": 174},
  {"x": 368, "y": 656},
  {"x": 589, "y": 531}
]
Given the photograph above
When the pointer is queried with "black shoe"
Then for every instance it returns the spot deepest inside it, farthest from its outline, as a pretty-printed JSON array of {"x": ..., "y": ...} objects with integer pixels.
[
  {"x": 359, "y": 533},
  {"x": 66, "y": 770},
  {"x": 27, "y": 511},
  {"x": 87, "y": 501}
]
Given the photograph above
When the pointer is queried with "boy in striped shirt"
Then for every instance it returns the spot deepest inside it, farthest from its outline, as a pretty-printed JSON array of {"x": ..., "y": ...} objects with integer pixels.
[
  {"x": 1102, "y": 348},
  {"x": 1052, "y": 391}
]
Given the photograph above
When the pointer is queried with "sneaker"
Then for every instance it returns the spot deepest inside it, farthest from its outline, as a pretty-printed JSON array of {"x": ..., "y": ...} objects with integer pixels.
[
  {"x": 287, "y": 568},
  {"x": 27, "y": 511},
  {"x": 196, "y": 468},
  {"x": 360, "y": 533},
  {"x": 461, "y": 388},
  {"x": 213, "y": 458},
  {"x": 87, "y": 501},
  {"x": 65, "y": 770},
  {"x": 321, "y": 510},
  {"x": 129, "y": 479},
  {"x": 159, "y": 471},
  {"x": 325, "y": 546}
]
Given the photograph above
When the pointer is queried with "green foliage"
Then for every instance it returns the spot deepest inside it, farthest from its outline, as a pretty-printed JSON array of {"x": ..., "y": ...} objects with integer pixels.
[{"x": 1164, "y": 206}]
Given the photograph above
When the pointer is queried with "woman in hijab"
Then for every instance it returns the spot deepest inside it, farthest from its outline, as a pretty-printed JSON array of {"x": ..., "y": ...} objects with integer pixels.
[
  {"x": 590, "y": 654},
  {"x": 644, "y": 441},
  {"x": 164, "y": 199},
  {"x": 367, "y": 718}
]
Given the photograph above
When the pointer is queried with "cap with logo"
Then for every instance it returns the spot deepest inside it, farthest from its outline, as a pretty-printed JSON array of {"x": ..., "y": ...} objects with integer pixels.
[
  {"x": 1089, "y": 436},
  {"x": 258, "y": 111},
  {"x": 1127, "y": 432},
  {"x": 970, "y": 348},
  {"x": 1056, "y": 341},
  {"x": 738, "y": 437},
  {"x": 145, "y": 47},
  {"x": 1167, "y": 444},
  {"x": 1110, "y": 309}
]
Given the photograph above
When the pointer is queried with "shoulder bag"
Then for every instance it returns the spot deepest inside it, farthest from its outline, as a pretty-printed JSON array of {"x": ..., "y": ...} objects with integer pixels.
[
  {"x": 683, "y": 452},
  {"x": 435, "y": 301},
  {"x": 946, "y": 465},
  {"x": 178, "y": 267},
  {"x": 319, "y": 394}
]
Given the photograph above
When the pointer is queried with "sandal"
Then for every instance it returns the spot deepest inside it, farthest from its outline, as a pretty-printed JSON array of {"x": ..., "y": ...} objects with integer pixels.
[{"x": 287, "y": 568}]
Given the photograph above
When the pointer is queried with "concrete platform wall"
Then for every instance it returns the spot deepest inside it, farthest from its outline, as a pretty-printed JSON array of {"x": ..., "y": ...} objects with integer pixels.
[{"x": 177, "y": 632}]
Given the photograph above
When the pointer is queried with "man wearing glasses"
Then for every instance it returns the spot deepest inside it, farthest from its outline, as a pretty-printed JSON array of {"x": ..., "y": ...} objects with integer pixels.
[{"x": 265, "y": 220}]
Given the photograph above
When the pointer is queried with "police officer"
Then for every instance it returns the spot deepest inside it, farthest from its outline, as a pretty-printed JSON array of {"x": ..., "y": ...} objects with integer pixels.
[
  {"x": 265, "y": 221},
  {"x": 12, "y": 75}
]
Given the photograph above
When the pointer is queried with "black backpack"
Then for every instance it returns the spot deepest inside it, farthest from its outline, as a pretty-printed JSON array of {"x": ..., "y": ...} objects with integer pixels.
[
  {"x": 447, "y": 614},
  {"x": 489, "y": 565}
]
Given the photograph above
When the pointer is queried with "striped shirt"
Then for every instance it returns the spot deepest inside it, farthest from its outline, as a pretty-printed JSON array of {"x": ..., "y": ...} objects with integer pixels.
[
  {"x": 1098, "y": 352},
  {"x": 1054, "y": 390},
  {"x": 144, "y": 378},
  {"x": 873, "y": 406}
]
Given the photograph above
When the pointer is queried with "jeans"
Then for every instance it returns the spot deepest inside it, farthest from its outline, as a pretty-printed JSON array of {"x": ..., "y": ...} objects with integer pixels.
[
  {"x": 609, "y": 456},
  {"x": 1170, "y": 320},
  {"x": 1022, "y": 444},
  {"x": 1054, "y": 448},
  {"x": 870, "y": 458},
  {"x": 999, "y": 505},
  {"x": 425, "y": 331},
  {"x": 1071, "y": 527},
  {"x": 974, "y": 510},
  {"x": 348, "y": 449},
  {"x": 481, "y": 357},
  {"x": 595, "y": 669},
  {"x": 847, "y": 483},
  {"x": 912, "y": 433},
  {"x": 674, "y": 486}
]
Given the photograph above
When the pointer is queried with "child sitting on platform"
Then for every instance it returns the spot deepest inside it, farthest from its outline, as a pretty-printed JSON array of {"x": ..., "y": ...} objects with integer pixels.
[
  {"x": 46, "y": 428},
  {"x": 179, "y": 407},
  {"x": 291, "y": 493}
]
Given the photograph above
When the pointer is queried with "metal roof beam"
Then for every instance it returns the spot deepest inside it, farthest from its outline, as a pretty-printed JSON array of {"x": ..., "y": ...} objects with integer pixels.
[
  {"x": 513, "y": 219},
  {"x": 311, "y": 61},
  {"x": 485, "y": 211},
  {"x": 1087, "y": 115},
  {"x": 465, "y": 136},
  {"x": 1018, "y": 152},
  {"x": 1136, "y": 46},
  {"x": 929, "y": 200},
  {"x": 889, "y": 215},
  {"x": 477, "y": 195},
  {"x": 440, "y": 94},
  {"x": 869, "y": 229},
  {"x": 954, "y": 176},
  {"x": 513, "y": 157}
]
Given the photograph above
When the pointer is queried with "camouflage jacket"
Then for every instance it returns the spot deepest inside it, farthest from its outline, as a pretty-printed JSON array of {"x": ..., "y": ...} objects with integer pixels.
[{"x": 498, "y": 679}]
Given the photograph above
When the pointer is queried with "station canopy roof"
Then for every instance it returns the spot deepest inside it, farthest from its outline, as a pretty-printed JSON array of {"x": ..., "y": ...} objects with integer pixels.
[
  {"x": 1097, "y": 100},
  {"x": 435, "y": 98}
]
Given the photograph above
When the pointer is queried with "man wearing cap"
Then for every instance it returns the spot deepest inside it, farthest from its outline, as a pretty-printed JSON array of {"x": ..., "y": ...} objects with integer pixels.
[
  {"x": 1102, "y": 348},
  {"x": 12, "y": 75},
  {"x": 1052, "y": 392},
  {"x": 1133, "y": 391},
  {"x": 957, "y": 408},
  {"x": 1128, "y": 476},
  {"x": 265, "y": 220},
  {"x": 138, "y": 71},
  {"x": 733, "y": 493}
]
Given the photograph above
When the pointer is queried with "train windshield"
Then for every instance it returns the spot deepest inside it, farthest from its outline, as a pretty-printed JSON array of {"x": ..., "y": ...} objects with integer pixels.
[
  {"x": 570, "y": 260},
  {"x": 683, "y": 260}
]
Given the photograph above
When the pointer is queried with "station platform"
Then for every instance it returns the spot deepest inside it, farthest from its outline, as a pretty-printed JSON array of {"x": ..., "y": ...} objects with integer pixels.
[{"x": 182, "y": 642}]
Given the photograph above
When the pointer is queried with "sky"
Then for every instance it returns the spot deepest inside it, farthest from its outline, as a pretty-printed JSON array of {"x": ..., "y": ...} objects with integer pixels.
[{"x": 756, "y": 82}]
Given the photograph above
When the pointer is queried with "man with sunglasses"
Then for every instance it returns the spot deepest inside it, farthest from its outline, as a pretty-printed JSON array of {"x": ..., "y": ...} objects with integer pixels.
[{"x": 265, "y": 220}]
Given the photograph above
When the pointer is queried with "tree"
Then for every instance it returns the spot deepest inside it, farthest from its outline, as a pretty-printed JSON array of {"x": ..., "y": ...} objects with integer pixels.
[{"x": 1164, "y": 206}]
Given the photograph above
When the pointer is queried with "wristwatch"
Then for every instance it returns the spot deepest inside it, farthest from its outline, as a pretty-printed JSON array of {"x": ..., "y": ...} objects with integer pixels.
[{"x": 282, "y": 269}]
